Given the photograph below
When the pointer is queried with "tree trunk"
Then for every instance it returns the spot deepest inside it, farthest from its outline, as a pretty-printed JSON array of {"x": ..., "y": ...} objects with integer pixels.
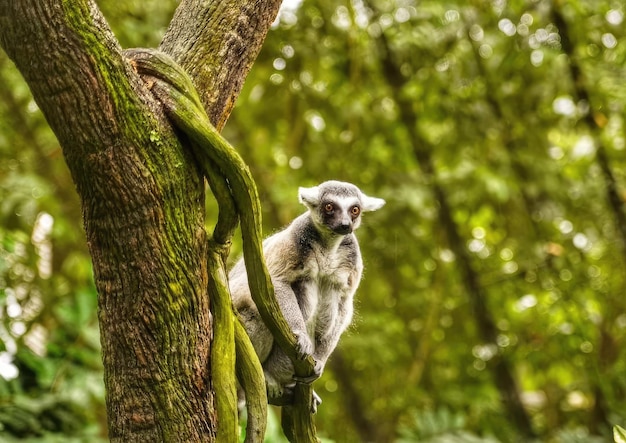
[
  {"x": 142, "y": 193},
  {"x": 216, "y": 43}
]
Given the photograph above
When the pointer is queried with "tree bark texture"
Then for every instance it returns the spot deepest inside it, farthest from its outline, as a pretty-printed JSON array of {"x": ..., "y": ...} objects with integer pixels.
[
  {"x": 211, "y": 58},
  {"x": 142, "y": 194}
]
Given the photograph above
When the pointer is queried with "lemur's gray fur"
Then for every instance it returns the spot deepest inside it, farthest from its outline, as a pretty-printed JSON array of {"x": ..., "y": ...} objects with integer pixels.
[{"x": 315, "y": 266}]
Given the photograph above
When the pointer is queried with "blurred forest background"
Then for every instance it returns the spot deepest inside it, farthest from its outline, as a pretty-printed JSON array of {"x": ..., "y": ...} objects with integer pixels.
[{"x": 493, "y": 306}]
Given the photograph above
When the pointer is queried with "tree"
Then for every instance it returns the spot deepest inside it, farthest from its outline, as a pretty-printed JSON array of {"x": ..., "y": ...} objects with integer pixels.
[{"x": 142, "y": 195}]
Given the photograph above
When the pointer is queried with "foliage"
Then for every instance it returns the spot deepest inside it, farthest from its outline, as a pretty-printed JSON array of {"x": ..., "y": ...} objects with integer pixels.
[
  {"x": 487, "y": 97},
  {"x": 439, "y": 426}
]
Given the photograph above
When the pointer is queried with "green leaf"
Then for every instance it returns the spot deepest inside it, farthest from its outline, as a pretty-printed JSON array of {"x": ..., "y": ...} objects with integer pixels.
[{"x": 619, "y": 434}]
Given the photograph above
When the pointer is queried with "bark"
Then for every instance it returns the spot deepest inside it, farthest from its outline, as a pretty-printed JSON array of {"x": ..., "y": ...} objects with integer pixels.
[
  {"x": 142, "y": 195},
  {"x": 219, "y": 60},
  {"x": 250, "y": 375},
  {"x": 297, "y": 420}
]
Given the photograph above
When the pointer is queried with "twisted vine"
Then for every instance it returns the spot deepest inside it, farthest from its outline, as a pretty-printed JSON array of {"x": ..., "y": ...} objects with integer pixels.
[{"x": 232, "y": 184}]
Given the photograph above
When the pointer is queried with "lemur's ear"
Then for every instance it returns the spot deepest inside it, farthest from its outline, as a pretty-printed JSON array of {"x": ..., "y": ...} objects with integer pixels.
[
  {"x": 309, "y": 197},
  {"x": 371, "y": 203}
]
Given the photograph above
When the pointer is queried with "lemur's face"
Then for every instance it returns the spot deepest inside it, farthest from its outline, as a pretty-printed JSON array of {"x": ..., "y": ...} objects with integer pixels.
[
  {"x": 340, "y": 214},
  {"x": 337, "y": 206}
]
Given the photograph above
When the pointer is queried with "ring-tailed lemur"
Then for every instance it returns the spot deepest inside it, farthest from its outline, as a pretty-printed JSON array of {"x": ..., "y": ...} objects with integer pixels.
[{"x": 315, "y": 265}]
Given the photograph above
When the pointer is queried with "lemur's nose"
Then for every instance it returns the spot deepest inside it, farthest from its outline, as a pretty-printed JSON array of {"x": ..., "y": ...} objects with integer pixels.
[{"x": 344, "y": 228}]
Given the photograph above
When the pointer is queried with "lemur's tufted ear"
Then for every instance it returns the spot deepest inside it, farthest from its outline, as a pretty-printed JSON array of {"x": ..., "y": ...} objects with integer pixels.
[
  {"x": 309, "y": 197},
  {"x": 371, "y": 203}
]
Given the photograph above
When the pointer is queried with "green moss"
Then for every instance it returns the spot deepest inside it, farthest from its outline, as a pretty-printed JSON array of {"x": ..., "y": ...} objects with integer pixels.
[
  {"x": 223, "y": 351},
  {"x": 155, "y": 138}
]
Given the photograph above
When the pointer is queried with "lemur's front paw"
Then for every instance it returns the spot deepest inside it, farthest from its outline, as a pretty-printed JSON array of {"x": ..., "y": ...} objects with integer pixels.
[
  {"x": 278, "y": 395},
  {"x": 284, "y": 396},
  {"x": 304, "y": 346},
  {"x": 317, "y": 373}
]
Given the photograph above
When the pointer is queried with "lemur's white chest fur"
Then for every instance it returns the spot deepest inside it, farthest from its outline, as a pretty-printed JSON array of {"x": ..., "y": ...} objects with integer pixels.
[{"x": 331, "y": 281}]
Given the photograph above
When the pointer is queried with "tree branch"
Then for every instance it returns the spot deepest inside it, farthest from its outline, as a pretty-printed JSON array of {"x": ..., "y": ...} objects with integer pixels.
[
  {"x": 218, "y": 61},
  {"x": 223, "y": 350},
  {"x": 251, "y": 377}
]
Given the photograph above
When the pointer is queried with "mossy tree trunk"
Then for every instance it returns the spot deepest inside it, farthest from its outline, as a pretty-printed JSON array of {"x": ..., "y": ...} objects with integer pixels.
[{"x": 142, "y": 193}]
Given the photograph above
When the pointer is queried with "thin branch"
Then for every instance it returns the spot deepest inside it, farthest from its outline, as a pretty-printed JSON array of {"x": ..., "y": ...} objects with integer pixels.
[
  {"x": 222, "y": 350},
  {"x": 252, "y": 380}
]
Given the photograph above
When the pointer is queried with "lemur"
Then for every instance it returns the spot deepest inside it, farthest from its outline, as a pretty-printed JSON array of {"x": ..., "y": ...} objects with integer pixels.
[{"x": 315, "y": 266}]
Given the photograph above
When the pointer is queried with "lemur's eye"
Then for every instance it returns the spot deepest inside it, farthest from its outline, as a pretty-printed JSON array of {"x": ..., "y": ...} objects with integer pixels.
[
  {"x": 329, "y": 207},
  {"x": 355, "y": 211}
]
